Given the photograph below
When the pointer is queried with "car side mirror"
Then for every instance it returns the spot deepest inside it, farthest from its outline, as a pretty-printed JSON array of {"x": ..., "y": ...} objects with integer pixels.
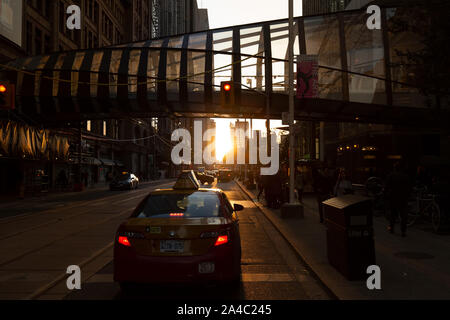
[{"x": 238, "y": 207}]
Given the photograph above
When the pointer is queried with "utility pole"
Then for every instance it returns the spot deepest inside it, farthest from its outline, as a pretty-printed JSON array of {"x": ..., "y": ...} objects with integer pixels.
[
  {"x": 291, "y": 104},
  {"x": 80, "y": 148},
  {"x": 291, "y": 209},
  {"x": 154, "y": 155}
]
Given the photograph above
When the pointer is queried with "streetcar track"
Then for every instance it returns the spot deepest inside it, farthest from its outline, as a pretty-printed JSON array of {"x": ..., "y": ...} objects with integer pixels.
[
  {"x": 23, "y": 216},
  {"x": 56, "y": 220},
  {"x": 43, "y": 289},
  {"x": 68, "y": 217},
  {"x": 50, "y": 210},
  {"x": 62, "y": 238}
]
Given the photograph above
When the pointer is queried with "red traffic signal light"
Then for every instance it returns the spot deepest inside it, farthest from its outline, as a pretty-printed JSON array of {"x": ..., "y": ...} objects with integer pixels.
[
  {"x": 7, "y": 96},
  {"x": 227, "y": 96}
]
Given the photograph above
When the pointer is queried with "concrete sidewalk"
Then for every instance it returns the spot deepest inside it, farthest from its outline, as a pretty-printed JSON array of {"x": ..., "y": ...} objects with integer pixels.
[{"x": 415, "y": 267}]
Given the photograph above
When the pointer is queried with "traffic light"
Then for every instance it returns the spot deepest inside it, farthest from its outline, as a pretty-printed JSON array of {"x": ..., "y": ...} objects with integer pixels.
[
  {"x": 7, "y": 95},
  {"x": 227, "y": 94}
]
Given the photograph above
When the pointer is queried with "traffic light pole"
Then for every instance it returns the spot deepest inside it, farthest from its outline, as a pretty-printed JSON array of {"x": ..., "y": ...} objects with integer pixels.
[
  {"x": 291, "y": 209},
  {"x": 291, "y": 104}
]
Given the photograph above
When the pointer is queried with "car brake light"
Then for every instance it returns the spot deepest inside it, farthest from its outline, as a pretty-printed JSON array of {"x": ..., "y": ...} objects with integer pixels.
[
  {"x": 221, "y": 240},
  {"x": 124, "y": 241},
  {"x": 176, "y": 214}
]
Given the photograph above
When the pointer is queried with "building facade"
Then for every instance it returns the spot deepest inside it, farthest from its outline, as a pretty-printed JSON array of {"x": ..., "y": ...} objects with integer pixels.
[
  {"x": 172, "y": 17},
  {"x": 368, "y": 149},
  {"x": 103, "y": 147},
  {"x": 315, "y": 7}
]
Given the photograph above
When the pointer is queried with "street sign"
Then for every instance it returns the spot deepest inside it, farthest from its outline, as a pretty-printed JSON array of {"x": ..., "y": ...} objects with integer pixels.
[{"x": 307, "y": 76}]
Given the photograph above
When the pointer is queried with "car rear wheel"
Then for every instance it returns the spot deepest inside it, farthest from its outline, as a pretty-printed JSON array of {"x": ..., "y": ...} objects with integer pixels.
[
  {"x": 126, "y": 287},
  {"x": 235, "y": 282}
]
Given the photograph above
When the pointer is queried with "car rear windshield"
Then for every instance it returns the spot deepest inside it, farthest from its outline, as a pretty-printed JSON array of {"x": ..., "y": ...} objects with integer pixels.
[
  {"x": 123, "y": 177},
  {"x": 196, "y": 204}
]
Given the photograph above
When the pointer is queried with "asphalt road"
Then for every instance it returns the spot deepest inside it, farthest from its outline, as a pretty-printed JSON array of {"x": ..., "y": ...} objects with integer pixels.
[
  {"x": 42, "y": 236},
  {"x": 270, "y": 268}
]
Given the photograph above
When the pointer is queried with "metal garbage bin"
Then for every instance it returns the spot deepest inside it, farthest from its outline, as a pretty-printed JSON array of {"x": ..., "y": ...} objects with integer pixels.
[{"x": 350, "y": 241}]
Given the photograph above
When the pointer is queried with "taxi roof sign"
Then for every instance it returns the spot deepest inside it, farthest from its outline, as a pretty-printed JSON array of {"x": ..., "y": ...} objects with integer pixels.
[{"x": 187, "y": 180}]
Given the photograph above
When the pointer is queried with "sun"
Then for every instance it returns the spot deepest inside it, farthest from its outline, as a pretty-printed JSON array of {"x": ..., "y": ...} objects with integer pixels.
[{"x": 223, "y": 138}]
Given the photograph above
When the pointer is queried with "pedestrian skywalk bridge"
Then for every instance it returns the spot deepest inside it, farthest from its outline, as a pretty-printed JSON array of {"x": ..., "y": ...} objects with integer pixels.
[{"x": 360, "y": 76}]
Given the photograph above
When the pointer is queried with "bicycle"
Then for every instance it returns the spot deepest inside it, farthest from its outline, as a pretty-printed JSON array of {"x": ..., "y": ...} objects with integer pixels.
[{"x": 425, "y": 207}]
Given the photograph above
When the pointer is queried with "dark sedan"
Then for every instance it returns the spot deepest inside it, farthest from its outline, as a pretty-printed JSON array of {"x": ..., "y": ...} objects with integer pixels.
[
  {"x": 124, "y": 181},
  {"x": 205, "y": 178}
]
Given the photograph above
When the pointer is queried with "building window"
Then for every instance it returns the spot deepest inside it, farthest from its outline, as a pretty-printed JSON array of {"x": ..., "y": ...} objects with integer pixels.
[
  {"x": 88, "y": 125},
  {"x": 96, "y": 12},
  {"x": 47, "y": 44},
  {"x": 38, "y": 41},
  {"x": 62, "y": 18},
  {"x": 104, "y": 128},
  {"x": 29, "y": 38}
]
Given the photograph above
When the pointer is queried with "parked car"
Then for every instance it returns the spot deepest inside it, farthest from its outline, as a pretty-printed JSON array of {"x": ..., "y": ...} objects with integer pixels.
[
  {"x": 225, "y": 175},
  {"x": 205, "y": 178},
  {"x": 125, "y": 180}
]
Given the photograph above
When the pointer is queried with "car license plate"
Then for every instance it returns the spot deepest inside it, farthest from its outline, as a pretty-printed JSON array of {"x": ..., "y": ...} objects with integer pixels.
[
  {"x": 206, "y": 267},
  {"x": 171, "y": 246}
]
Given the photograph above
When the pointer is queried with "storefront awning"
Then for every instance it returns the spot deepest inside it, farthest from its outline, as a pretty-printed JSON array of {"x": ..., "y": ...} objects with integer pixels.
[
  {"x": 108, "y": 162},
  {"x": 87, "y": 160}
]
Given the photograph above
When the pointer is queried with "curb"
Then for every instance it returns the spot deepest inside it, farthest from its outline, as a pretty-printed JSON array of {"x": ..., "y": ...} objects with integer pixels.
[{"x": 293, "y": 247}]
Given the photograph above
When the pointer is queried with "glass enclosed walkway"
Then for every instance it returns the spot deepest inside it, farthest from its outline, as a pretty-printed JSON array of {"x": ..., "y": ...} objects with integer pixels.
[{"x": 361, "y": 76}]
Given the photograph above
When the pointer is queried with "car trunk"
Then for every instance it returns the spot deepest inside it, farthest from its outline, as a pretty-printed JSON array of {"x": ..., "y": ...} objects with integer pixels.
[{"x": 174, "y": 236}]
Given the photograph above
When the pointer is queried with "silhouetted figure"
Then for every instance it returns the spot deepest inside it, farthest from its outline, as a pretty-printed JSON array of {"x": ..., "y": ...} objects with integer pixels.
[
  {"x": 261, "y": 184},
  {"x": 273, "y": 190},
  {"x": 323, "y": 186},
  {"x": 398, "y": 189},
  {"x": 62, "y": 179},
  {"x": 343, "y": 185},
  {"x": 85, "y": 176},
  {"x": 299, "y": 184}
]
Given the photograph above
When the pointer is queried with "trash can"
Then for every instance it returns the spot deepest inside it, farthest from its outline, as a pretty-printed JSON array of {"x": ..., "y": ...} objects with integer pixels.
[{"x": 350, "y": 242}]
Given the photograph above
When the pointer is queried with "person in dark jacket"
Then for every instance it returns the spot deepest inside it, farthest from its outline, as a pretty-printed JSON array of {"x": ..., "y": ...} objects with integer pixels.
[
  {"x": 261, "y": 184},
  {"x": 323, "y": 187},
  {"x": 398, "y": 189},
  {"x": 273, "y": 190}
]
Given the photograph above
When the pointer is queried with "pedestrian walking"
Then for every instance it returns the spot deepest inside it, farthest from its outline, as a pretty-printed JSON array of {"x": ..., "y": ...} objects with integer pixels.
[
  {"x": 273, "y": 190},
  {"x": 398, "y": 189},
  {"x": 299, "y": 185},
  {"x": 323, "y": 187},
  {"x": 261, "y": 185}
]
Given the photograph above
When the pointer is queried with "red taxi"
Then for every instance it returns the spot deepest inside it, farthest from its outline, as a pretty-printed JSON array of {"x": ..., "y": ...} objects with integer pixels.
[{"x": 183, "y": 234}]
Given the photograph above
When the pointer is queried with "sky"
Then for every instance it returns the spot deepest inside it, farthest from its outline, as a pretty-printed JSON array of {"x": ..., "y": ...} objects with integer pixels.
[{"x": 225, "y": 13}]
